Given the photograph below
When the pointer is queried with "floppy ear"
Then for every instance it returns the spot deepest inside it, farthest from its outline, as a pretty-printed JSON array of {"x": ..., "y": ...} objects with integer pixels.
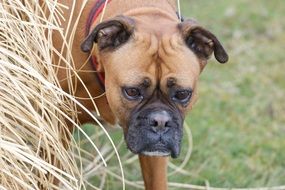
[
  {"x": 202, "y": 42},
  {"x": 109, "y": 34}
]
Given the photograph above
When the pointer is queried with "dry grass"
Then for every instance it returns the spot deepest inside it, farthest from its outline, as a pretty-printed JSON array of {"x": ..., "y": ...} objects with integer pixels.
[{"x": 34, "y": 137}]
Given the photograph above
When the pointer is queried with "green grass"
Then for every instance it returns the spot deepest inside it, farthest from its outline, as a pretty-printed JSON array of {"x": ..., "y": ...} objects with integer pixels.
[{"x": 238, "y": 122}]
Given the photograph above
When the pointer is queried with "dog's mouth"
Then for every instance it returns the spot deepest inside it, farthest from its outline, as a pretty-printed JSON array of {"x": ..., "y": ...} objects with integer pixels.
[
  {"x": 152, "y": 147},
  {"x": 158, "y": 149},
  {"x": 155, "y": 132}
]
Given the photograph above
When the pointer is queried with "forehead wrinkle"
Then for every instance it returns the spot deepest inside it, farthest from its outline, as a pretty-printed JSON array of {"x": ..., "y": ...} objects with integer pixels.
[
  {"x": 177, "y": 60},
  {"x": 170, "y": 46},
  {"x": 141, "y": 58},
  {"x": 148, "y": 44},
  {"x": 167, "y": 49}
]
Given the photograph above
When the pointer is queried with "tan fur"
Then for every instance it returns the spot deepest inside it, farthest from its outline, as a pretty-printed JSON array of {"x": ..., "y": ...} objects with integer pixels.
[{"x": 158, "y": 37}]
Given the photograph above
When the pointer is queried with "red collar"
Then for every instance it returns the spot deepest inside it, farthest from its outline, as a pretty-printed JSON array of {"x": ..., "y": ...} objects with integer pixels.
[{"x": 93, "y": 15}]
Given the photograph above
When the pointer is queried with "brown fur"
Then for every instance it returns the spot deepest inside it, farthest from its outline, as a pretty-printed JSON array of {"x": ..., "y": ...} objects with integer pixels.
[{"x": 160, "y": 39}]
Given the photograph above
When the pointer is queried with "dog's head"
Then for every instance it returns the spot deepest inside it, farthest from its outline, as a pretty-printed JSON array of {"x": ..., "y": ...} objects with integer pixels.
[{"x": 151, "y": 69}]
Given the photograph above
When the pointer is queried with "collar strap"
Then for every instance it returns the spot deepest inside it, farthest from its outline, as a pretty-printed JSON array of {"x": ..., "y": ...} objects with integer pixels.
[{"x": 93, "y": 15}]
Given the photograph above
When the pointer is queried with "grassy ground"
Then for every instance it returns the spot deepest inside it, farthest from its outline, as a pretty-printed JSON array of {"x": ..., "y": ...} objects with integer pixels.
[{"x": 238, "y": 122}]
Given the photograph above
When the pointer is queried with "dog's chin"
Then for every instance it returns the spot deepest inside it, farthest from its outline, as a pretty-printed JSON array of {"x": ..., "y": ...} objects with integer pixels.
[
  {"x": 155, "y": 146},
  {"x": 155, "y": 153},
  {"x": 158, "y": 149}
]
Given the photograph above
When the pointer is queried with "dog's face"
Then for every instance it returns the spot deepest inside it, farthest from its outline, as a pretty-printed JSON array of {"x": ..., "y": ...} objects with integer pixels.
[{"x": 151, "y": 75}]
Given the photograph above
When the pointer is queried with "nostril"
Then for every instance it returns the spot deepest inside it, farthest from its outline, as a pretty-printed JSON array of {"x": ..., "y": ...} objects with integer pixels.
[
  {"x": 159, "y": 119},
  {"x": 155, "y": 123},
  {"x": 167, "y": 124}
]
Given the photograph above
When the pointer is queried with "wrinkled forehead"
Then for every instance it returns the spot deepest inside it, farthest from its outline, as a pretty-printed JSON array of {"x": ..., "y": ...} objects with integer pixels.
[{"x": 156, "y": 57}]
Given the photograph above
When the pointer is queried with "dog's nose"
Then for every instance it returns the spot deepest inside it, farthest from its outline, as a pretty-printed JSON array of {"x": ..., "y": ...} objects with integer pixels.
[{"x": 159, "y": 120}]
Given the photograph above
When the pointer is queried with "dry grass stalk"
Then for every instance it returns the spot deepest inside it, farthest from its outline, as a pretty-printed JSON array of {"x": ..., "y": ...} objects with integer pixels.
[{"x": 34, "y": 137}]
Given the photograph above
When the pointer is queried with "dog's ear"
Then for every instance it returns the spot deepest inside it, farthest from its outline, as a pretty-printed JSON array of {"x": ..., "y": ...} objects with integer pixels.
[
  {"x": 109, "y": 34},
  {"x": 202, "y": 42}
]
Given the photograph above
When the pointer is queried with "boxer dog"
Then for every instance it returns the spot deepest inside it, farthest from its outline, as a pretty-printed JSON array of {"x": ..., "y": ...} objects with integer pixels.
[{"x": 151, "y": 61}]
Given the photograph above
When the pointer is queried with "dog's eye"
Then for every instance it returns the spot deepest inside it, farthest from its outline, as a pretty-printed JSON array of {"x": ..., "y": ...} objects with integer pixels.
[
  {"x": 182, "y": 96},
  {"x": 132, "y": 93}
]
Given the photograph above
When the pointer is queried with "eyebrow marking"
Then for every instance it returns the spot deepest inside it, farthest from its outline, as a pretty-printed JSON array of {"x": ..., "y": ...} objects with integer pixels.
[
  {"x": 146, "y": 82},
  {"x": 171, "y": 82}
]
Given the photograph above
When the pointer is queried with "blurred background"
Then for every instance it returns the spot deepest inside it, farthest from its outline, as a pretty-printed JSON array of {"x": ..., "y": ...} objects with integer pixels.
[{"x": 238, "y": 123}]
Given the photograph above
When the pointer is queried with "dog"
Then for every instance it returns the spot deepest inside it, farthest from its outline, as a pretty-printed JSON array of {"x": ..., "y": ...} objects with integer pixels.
[{"x": 147, "y": 63}]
